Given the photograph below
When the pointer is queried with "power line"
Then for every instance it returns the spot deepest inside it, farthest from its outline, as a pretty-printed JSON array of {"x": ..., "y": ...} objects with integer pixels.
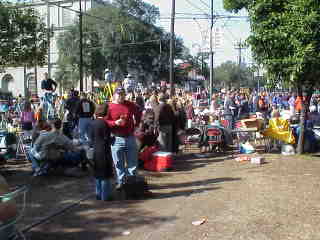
[
  {"x": 179, "y": 18},
  {"x": 183, "y": 13},
  {"x": 196, "y": 7},
  {"x": 126, "y": 44},
  {"x": 230, "y": 40},
  {"x": 83, "y": 13},
  {"x": 234, "y": 38},
  {"x": 206, "y": 4},
  {"x": 193, "y": 14}
]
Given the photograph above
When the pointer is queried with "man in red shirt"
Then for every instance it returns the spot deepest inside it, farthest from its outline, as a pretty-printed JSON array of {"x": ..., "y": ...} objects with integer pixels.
[{"x": 123, "y": 117}]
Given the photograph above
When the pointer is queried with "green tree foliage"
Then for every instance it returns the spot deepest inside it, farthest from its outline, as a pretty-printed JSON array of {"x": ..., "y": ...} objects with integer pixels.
[
  {"x": 139, "y": 9},
  {"x": 230, "y": 74},
  {"x": 286, "y": 40},
  {"x": 22, "y": 36},
  {"x": 121, "y": 36}
]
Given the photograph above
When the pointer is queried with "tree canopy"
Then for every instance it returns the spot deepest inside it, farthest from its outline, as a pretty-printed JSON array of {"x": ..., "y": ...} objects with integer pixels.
[
  {"x": 23, "y": 37},
  {"x": 285, "y": 38},
  {"x": 122, "y": 37},
  {"x": 230, "y": 74}
]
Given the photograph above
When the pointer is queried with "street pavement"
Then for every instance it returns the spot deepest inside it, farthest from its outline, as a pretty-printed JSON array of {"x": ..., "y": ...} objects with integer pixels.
[{"x": 278, "y": 200}]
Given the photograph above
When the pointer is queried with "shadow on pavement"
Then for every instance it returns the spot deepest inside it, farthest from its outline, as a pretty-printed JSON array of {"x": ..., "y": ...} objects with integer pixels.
[
  {"x": 193, "y": 161},
  {"x": 194, "y": 183},
  {"x": 97, "y": 220},
  {"x": 181, "y": 193}
]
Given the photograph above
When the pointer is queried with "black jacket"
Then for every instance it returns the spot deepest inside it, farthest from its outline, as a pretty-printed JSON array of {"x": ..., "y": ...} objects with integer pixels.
[
  {"x": 101, "y": 142},
  {"x": 164, "y": 115},
  {"x": 85, "y": 109}
]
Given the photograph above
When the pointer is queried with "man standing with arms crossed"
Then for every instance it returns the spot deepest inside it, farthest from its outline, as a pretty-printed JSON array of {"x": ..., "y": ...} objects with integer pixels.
[{"x": 123, "y": 117}]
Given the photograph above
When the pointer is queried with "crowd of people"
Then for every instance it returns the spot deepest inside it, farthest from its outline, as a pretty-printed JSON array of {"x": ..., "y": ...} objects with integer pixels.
[
  {"x": 146, "y": 117},
  {"x": 117, "y": 130}
]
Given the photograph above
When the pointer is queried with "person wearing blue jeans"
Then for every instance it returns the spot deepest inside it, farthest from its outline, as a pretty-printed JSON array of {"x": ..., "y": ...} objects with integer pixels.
[
  {"x": 103, "y": 189},
  {"x": 122, "y": 118},
  {"x": 84, "y": 128},
  {"x": 101, "y": 157},
  {"x": 40, "y": 151},
  {"x": 70, "y": 159},
  {"x": 84, "y": 111},
  {"x": 125, "y": 150}
]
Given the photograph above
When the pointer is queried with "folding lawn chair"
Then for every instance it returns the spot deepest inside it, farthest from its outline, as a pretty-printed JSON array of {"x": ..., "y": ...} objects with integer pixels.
[
  {"x": 17, "y": 200},
  {"x": 192, "y": 136},
  {"x": 215, "y": 139}
]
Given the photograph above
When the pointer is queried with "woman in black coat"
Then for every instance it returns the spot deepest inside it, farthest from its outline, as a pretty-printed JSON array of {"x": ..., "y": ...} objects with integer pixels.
[{"x": 103, "y": 164}]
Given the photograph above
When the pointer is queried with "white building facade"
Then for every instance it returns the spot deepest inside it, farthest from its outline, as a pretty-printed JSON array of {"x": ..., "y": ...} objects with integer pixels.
[{"x": 58, "y": 14}]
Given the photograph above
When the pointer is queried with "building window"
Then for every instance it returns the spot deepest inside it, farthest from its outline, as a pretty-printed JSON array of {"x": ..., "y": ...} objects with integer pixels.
[{"x": 5, "y": 82}]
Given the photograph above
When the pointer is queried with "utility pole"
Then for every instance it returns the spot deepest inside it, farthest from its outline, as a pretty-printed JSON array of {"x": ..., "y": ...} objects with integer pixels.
[
  {"x": 172, "y": 47},
  {"x": 81, "y": 47},
  {"x": 211, "y": 54}
]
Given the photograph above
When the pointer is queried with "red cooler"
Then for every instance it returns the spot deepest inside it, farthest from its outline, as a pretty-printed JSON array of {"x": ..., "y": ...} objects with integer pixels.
[{"x": 160, "y": 161}]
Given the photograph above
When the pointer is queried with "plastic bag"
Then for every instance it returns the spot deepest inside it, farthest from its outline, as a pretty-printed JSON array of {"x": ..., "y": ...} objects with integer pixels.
[
  {"x": 246, "y": 148},
  {"x": 287, "y": 150}
]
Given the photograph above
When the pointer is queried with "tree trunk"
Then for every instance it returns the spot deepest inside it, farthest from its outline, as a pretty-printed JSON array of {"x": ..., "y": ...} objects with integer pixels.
[
  {"x": 302, "y": 126},
  {"x": 300, "y": 146},
  {"x": 303, "y": 116}
]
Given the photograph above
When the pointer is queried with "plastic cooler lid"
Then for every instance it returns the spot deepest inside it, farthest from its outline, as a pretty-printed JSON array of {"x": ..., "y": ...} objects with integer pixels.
[{"x": 162, "y": 154}]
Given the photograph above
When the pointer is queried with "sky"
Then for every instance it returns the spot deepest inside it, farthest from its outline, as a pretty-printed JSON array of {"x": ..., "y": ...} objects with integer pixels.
[{"x": 194, "y": 31}]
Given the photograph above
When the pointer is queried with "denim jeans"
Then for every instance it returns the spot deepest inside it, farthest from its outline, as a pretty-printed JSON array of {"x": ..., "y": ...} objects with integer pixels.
[
  {"x": 48, "y": 97},
  {"x": 34, "y": 162},
  {"x": 166, "y": 138},
  {"x": 48, "y": 105},
  {"x": 70, "y": 159},
  {"x": 103, "y": 189},
  {"x": 84, "y": 127},
  {"x": 125, "y": 156}
]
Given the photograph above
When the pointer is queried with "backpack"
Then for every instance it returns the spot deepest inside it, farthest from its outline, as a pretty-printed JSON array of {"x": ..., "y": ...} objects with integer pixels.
[
  {"x": 135, "y": 187},
  {"x": 86, "y": 107}
]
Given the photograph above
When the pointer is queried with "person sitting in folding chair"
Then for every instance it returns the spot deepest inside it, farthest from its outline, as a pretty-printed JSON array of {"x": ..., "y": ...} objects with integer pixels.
[
  {"x": 41, "y": 155},
  {"x": 226, "y": 137}
]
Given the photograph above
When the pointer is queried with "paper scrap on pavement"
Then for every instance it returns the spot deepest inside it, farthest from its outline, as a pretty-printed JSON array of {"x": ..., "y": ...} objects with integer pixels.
[
  {"x": 198, "y": 223},
  {"x": 126, "y": 233}
]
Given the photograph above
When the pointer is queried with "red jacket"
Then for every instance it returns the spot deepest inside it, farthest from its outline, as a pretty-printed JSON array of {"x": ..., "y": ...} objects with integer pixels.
[{"x": 127, "y": 110}]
